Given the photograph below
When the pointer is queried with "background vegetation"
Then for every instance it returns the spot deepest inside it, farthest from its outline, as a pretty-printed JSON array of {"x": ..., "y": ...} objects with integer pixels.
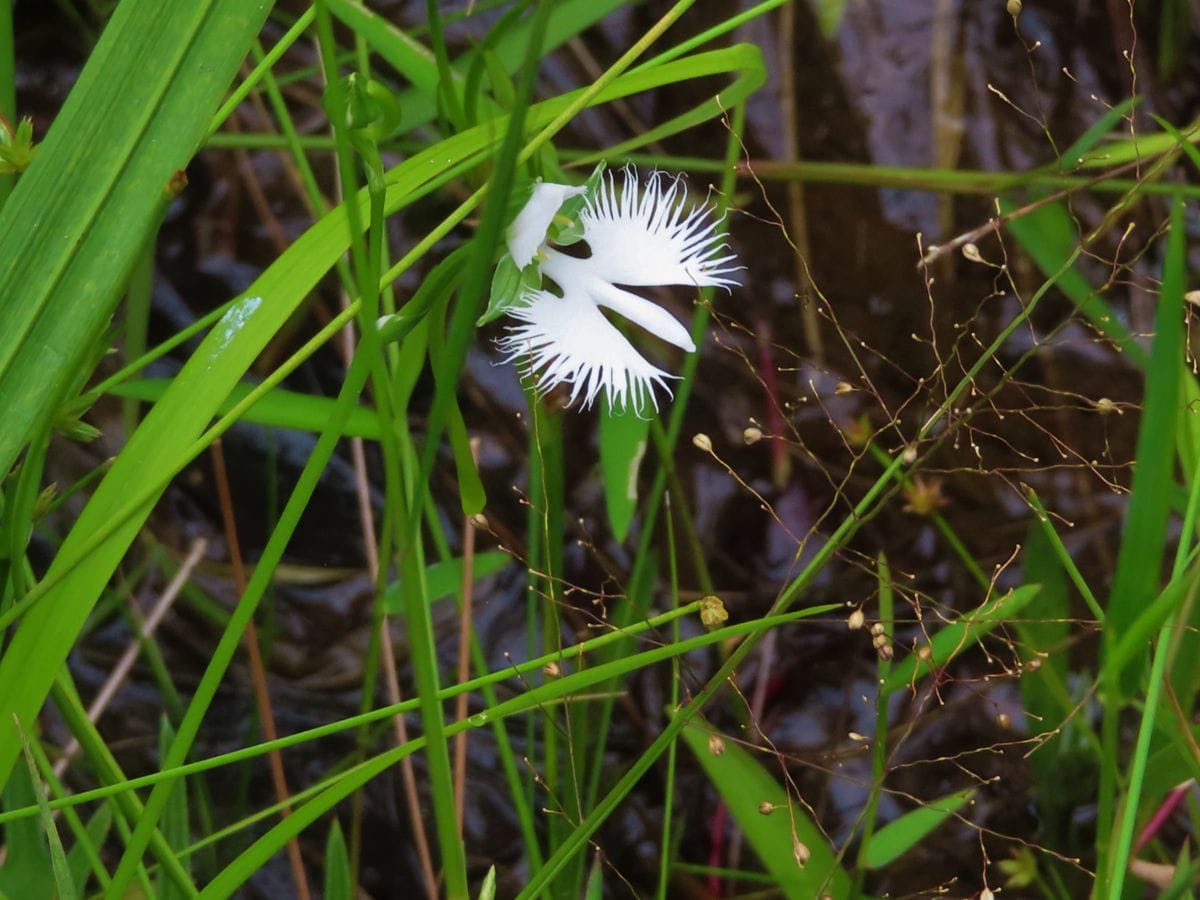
[{"x": 897, "y": 596}]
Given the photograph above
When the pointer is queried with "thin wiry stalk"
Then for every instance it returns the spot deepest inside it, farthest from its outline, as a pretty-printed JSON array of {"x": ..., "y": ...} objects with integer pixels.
[
  {"x": 797, "y": 233},
  {"x": 258, "y": 674},
  {"x": 391, "y": 681}
]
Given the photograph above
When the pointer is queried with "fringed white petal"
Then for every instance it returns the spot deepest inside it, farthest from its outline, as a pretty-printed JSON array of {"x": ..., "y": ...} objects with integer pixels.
[
  {"x": 528, "y": 230},
  {"x": 653, "y": 237},
  {"x": 566, "y": 270},
  {"x": 566, "y": 340}
]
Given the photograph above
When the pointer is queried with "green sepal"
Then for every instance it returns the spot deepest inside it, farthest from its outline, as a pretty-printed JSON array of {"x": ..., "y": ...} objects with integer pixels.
[
  {"x": 567, "y": 229},
  {"x": 509, "y": 285}
]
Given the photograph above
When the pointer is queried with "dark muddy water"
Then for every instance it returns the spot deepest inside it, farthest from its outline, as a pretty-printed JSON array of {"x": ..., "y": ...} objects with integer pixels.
[{"x": 901, "y": 83}]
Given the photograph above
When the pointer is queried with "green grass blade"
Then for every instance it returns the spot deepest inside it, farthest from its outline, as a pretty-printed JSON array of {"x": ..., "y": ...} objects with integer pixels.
[
  {"x": 63, "y": 882},
  {"x": 899, "y": 836},
  {"x": 444, "y": 579},
  {"x": 26, "y": 869},
  {"x": 623, "y": 439},
  {"x": 84, "y": 857},
  {"x": 550, "y": 692},
  {"x": 8, "y": 83},
  {"x": 1139, "y": 562},
  {"x": 745, "y": 786},
  {"x": 278, "y": 408},
  {"x": 174, "y": 818},
  {"x": 956, "y": 637},
  {"x": 1049, "y": 235},
  {"x": 404, "y": 53},
  {"x": 1096, "y": 132},
  {"x": 80, "y": 214},
  {"x": 338, "y": 882}
]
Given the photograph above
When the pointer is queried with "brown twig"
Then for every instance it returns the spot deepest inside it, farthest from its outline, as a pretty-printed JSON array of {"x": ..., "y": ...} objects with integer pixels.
[
  {"x": 258, "y": 674},
  {"x": 408, "y": 775},
  {"x": 795, "y": 189},
  {"x": 976, "y": 234},
  {"x": 125, "y": 664}
]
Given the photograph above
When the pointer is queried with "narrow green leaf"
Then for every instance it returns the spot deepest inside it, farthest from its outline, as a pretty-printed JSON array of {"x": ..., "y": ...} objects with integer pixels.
[
  {"x": 1096, "y": 132},
  {"x": 278, "y": 408},
  {"x": 26, "y": 871},
  {"x": 595, "y": 880},
  {"x": 79, "y": 216},
  {"x": 956, "y": 637},
  {"x": 63, "y": 882},
  {"x": 896, "y": 838},
  {"x": 1144, "y": 146},
  {"x": 338, "y": 882},
  {"x": 1139, "y": 562},
  {"x": 747, "y": 788},
  {"x": 487, "y": 890},
  {"x": 84, "y": 857},
  {"x": 471, "y": 494},
  {"x": 404, "y": 53},
  {"x": 503, "y": 88},
  {"x": 174, "y": 821},
  {"x": 1049, "y": 235},
  {"x": 444, "y": 579},
  {"x": 623, "y": 438}
]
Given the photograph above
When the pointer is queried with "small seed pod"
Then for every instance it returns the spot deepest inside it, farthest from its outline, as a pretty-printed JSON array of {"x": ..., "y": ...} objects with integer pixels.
[
  {"x": 716, "y": 744},
  {"x": 703, "y": 442},
  {"x": 712, "y": 612},
  {"x": 800, "y": 851}
]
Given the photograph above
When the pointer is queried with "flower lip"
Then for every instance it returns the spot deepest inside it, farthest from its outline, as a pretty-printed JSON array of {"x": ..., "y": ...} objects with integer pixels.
[
  {"x": 568, "y": 270},
  {"x": 567, "y": 340}
]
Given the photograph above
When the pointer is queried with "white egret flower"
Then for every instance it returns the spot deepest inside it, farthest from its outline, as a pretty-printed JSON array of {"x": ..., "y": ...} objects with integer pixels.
[{"x": 636, "y": 238}]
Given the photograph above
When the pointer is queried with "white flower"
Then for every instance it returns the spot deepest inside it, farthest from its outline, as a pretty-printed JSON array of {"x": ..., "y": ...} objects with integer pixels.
[
  {"x": 529, "y": 228},
  {"x": 636, "y": 238}
]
